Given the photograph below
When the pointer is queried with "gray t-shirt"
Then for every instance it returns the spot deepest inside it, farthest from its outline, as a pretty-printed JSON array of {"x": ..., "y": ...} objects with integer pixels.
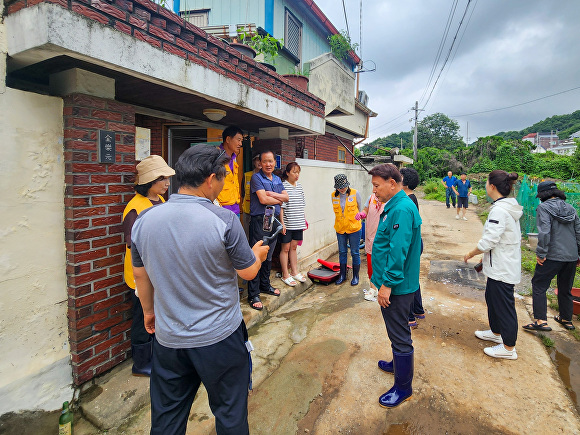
[{"x": 190, "y": 249}]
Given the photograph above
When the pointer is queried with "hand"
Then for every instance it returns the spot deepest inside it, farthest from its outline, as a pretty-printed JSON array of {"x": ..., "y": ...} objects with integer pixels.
[
  {"x": 149, "y": 321},
  {"x": 261, "y": 252},
  {"x": 360, "y": 215},
  {"x": 467, "y": 256},
  {"x": 384, "y": 296},
  {"x": 283, "y": 229},
  {"x": 540, "y": 261}
]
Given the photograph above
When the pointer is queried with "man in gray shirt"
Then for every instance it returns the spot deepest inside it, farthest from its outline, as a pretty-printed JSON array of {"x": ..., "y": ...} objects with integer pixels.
[{"x": 186, "y": 255}]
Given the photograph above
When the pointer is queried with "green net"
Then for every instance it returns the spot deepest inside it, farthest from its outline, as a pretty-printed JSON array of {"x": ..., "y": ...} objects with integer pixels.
[{"x": 525, "y": 193}]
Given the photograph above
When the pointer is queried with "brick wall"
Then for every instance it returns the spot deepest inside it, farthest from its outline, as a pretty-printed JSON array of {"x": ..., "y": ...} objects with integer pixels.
[
  {"x": 156, "y": 127},
  {"x": 327, "y": 148},
  {"x": 163, "y": 29},
  {"x": 99, "y": 304}
]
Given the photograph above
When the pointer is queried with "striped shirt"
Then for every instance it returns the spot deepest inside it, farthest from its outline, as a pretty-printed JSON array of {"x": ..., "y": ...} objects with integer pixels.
[{"x": 294, "y": 218}]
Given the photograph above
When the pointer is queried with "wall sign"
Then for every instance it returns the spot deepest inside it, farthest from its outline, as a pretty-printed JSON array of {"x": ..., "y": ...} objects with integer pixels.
[
  {"x": 278, "y": 161},
  {"x": 106, "y": 148}
]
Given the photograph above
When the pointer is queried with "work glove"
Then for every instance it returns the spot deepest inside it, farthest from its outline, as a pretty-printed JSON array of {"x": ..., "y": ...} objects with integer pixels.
[{"x": 360, "y": 215}]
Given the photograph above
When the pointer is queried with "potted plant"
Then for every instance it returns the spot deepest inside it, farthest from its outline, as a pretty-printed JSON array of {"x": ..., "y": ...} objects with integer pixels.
[
  {"x": 298, "y": 77},
  {"x": 267, "y": 46},
  {"x": 241, "y": 46},
  {"x": 340, "y": 45}
]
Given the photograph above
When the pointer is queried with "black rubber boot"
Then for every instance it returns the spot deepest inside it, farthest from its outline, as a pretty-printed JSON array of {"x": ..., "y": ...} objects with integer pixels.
[
  {"x": 355, "y": 271},
  {"x": 142, "y": 358},
  {"x": 402, "y": 390},
  {"x": 342, "y": 276}
]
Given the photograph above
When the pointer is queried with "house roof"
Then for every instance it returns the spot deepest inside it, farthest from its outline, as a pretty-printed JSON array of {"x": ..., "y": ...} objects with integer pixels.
[
  {"x": 529, "y": 135},
  {"x": 327, "y": 24}
]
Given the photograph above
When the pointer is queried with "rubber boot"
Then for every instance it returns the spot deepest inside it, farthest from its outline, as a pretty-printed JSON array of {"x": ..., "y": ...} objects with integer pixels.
[
  {"x": 402, "y": 390},
  {"x": 342, "y": 276},
  {"x": 142, "y": 358},
  {"x": 386, "y": 366},
  {"x": 355, "y": 270}
]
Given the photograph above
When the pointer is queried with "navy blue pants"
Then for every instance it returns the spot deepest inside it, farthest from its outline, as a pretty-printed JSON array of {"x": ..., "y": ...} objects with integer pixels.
[
  {"x": 139, "y": 334},
  {"x": 543, "y": 275},
  {"x": 449, "y": 193},
  {"x": 262, "y": 279},
  {"x": 396, "y": 320},
  {"x": 177, "y": 373},
  {"x": 501, "y": 310}
]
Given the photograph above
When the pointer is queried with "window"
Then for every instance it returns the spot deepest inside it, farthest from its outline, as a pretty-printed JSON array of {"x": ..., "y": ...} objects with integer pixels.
[
  {"x": 199, "y": 18},
  {"x": 292, "y": 34},
  {"x": 341, "y": 155}
]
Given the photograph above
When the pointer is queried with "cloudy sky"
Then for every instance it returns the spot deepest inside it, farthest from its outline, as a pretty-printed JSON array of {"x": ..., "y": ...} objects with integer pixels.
[{"x": 506, "y": 53}]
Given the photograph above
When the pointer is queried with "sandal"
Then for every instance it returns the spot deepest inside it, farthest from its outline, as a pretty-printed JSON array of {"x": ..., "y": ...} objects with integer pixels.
[
  {"x": 271, "y": 291},
  {"x": 537, "y": 326},
  {"x": 419, "y": 316},
  {"x": 413, "y": 325},
  {"x": 256, "y": 300},
  {"x": 289, "y": 281},
  {"x": 299, "y": 277},
  {"x": 565, "y": 323}
]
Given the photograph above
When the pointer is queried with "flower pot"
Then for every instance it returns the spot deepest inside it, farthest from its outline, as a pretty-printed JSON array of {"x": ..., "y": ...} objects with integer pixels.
[
  {"x": 246, "y": 50},
  {"x": 269, "y": 66},
  {"x": 533, "y": 240},
  {"x": 301, "y": 82},
  {"x": 576, "y": 299}
]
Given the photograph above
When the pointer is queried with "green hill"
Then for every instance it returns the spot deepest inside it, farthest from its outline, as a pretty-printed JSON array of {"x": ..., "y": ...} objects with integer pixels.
[{"x": 565, "y": 125}]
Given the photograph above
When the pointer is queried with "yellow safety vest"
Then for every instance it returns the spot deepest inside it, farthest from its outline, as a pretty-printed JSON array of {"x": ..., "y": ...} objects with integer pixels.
[
  {"x": 247, "y": 183},
  {"x": 230, "y": 194},
  {"x": 137, "y": 203},
  {"x": 344, "y": 221}
]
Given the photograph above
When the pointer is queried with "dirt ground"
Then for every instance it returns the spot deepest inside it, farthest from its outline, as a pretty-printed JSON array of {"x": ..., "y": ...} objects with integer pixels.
[{"x": 315, "y": 361}]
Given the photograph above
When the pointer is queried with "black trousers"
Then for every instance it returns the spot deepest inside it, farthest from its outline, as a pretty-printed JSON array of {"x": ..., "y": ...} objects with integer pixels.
[
  {"x": 139, "y": 334},
  {"x": 543, "y": 275},
  {"x": 397, "y": 323},
  {"x": 262, "y": 279},
  {"x": 501, "y": 310},
  {"x": 224, "y": 369}
]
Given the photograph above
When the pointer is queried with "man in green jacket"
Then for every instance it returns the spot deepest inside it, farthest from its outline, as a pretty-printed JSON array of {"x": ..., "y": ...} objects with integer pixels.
[{"x": 396, "y": 255}]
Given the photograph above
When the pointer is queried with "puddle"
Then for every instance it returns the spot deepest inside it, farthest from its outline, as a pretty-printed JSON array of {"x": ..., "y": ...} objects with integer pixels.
[
  {"x": 398, "y": 429},
  {"x": 568, "y": 369}
]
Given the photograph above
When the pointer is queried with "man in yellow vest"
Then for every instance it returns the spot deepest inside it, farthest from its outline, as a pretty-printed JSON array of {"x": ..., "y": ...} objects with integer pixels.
[{"x": 229, "y": 197}]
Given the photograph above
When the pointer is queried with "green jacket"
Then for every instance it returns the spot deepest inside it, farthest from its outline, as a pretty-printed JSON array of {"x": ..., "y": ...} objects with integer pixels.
[{"x": 397, "y": 246}]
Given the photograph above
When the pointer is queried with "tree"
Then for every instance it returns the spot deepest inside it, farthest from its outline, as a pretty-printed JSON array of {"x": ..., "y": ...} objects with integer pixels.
[{"x": 438, "y": 131}]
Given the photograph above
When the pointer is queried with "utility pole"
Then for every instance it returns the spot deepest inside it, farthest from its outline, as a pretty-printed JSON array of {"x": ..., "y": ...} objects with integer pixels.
[
  {"x": 467, "y": 137},
  {"x": 416, "y": 109}
]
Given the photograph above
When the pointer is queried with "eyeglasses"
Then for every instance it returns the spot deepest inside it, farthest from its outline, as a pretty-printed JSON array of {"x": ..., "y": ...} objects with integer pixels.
[{"x": 220, "y": 156}]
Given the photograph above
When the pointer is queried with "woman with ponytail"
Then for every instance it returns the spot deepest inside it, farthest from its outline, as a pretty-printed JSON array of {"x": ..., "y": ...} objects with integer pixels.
[{"x": 500, "y": 245}]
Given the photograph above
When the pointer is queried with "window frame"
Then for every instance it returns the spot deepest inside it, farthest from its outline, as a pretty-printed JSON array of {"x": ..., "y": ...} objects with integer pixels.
[
  {"x": 340, "y": 149},
  {"x": 288, "y": 15},
  {"x": 185, "y": 15}
]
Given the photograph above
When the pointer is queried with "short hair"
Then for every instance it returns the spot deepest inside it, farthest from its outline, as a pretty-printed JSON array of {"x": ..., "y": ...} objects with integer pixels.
[
  {"x": 231, "y": 131},
  {"x": 198, "y": 162},
  {"x": 464, "y": 173},
  {"x": 266, "y": 152},
  {"x": 410, "y": 178},
  {"x": 289, "y": 167},
  {"x": 502, "y": 181},
  {"x": 386, "y": 171},
  {"x": 552, "y": 193}
]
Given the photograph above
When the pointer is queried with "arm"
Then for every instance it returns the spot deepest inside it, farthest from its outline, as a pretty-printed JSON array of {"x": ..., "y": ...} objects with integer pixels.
[
  {"x": 544, "y": 225},
  {"x": 260, "y": 252},
  {"x": 455, "y": 190},
  {"x": 470, "y": 188},
  {"x": 282, "y": 220},
  {"x": 146, "y": 292},
  {"x": 265, "y": 199},
  {"x": 282, "y": 196},
  {"x": 444, "y": 183}
]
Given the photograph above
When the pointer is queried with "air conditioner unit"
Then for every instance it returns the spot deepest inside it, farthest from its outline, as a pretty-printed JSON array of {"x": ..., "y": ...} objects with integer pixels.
[{"x": 363, "y": 98}]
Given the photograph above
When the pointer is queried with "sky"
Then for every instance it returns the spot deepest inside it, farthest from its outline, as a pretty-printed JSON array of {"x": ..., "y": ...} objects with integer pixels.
[{"x": 505, "y": 53}]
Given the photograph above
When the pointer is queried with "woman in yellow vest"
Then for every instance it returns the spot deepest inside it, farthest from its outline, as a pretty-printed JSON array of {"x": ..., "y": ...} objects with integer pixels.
[
  {"x": 151, "y": 182},
  {"x": 347, "y": 205}
]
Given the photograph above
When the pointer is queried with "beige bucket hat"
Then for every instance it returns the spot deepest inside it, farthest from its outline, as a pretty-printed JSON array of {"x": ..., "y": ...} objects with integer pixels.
[{"x": 151, "y": 168}]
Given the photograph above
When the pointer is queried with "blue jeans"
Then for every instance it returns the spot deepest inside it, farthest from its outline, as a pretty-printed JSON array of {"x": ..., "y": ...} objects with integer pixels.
[
  {"x": 449, "y": 193},
  {"x": 354, "y": 242}
]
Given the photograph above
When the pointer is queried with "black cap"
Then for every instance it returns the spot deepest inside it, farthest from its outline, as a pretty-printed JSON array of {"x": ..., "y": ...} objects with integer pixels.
[{"x": 544, "y": 186}]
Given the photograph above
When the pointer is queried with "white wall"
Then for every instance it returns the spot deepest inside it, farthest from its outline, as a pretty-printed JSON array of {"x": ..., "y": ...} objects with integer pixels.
[
  {"x": 317, "y": 179},
  {"x": 35, "y": 371}
]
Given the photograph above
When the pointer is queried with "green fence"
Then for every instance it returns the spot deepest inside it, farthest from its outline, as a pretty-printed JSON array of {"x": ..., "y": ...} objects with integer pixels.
[{"x": 525, "y": 193}]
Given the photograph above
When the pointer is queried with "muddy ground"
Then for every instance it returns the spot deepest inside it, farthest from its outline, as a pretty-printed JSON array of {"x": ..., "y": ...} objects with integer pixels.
[{"x": 315, "y": 360}]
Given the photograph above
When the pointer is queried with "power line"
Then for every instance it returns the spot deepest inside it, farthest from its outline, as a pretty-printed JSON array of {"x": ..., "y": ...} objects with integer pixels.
[
  {"x": 441, "y": 45},
  {"x": 449, "y": 53},
  {"x": 516, "y": 105},
  {"x": 392, "y": 120},
  {"x": 345, "y": 18}
]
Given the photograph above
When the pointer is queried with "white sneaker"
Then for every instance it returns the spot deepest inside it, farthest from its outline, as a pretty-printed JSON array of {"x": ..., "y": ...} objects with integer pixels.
[
  {"x": 489, "y": 336},
  {"x": 464, "y": 218},
  {"x": 499, "y": 351},
  {"x": 371, "y": 295},
  {"x": 456, "y": 216}
]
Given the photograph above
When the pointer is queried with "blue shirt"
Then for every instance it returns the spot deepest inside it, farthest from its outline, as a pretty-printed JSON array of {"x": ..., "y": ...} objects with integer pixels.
[
  {"x": 259, "y": 181},
  {"x": 463, "y": 188},
  {"x": 450, "y": 181}
]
